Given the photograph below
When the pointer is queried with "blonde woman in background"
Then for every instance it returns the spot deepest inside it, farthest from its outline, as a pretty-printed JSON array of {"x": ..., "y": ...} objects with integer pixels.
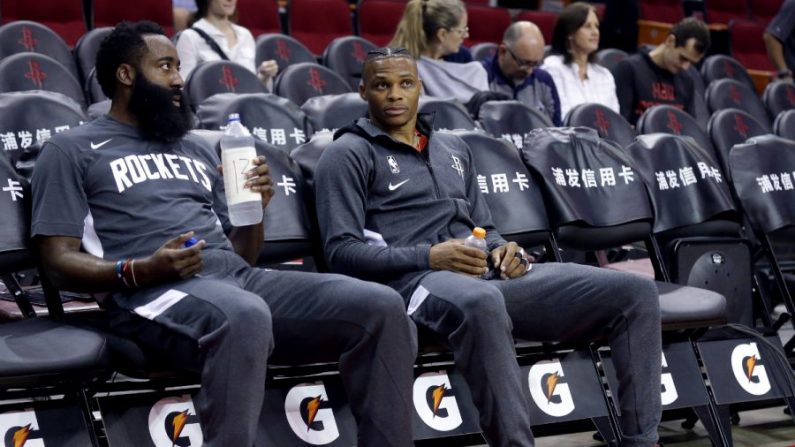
[{"x": 430, "y": 30}]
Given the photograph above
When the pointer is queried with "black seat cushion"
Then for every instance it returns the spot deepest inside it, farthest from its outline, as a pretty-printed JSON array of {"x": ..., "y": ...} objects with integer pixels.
[
  {"x": 784, "y": 126},
  {"x": 684, "y": 306},
  {"x": 38, "y": 348},
  {"x": 669, "y": 119},
  {"x": 778, "y": 97},
  {"x": 729, "y": 127}
]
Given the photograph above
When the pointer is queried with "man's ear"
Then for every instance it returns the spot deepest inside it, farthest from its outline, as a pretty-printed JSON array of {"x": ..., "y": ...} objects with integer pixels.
[
  {"x": 126, "y": 74},
  {"x": 361, "y": 90},
  {"x": 670, "y": 41}
]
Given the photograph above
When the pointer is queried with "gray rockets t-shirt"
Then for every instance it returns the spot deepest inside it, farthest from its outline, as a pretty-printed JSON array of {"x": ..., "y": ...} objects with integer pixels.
[{"x": 125, "y": 196}]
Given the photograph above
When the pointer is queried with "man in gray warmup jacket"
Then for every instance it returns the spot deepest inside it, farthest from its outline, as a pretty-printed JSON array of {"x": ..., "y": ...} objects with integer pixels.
[
  {"x": 114, "y": 202},
  {"x": 395, "y": 201}
]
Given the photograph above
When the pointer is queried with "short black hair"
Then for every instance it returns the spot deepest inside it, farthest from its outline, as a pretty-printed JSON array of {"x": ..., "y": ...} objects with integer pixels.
[
  {"x": 124, "y": 45},
  {"x": 692, "y": 28},
  {"x": 385, "y": 53}
]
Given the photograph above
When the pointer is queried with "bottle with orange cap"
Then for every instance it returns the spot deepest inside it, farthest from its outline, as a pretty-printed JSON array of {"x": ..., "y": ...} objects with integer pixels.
[{"x": 478, "y": 240}]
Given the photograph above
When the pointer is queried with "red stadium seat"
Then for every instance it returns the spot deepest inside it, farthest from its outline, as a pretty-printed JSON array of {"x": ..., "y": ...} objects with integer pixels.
[
  {"x": 259, "y": 16},
  {"x": 315, "y": 23},
  {"x": 486, "y": 24},
  {"x": 724, "y": 11},
  {"x": 65, "y": 17},
  {"x": 763, "y": 11},
  {"x": 655, "y": 19},
  {"x": 747, "y": 46},
  {"x": 111, "y": 12},
  {"x": 378, "y": 20},
  {"x": 544, "y": 20}
]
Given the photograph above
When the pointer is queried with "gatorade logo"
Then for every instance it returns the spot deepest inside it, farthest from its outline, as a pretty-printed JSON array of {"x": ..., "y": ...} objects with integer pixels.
[
  {"x": 435, "y": 402},
  {"x": 173, "y": 422},
  {"x": 309, "y": 414},
  {"x": 20, "y": 429},
  {"x": 668, "y": 394},
  {"x": 550, "y": 394},
  {"x": 748, "y": 371}
]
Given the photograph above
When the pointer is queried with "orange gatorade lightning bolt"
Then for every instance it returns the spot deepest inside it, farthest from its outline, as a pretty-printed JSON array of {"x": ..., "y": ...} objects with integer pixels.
[
  {"x": 750, "y": 364},
  {"x": 438, "y": 394},
  {"x": 178, "y": 423},
  {"x": 552, "y": 382},
  {"x": 21, "y": 436},
  {"x": 311, "y": 411}
]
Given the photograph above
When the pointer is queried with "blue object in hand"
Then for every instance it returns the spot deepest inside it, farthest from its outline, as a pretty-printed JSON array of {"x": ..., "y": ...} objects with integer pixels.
[{"x": 190, "y": 242}]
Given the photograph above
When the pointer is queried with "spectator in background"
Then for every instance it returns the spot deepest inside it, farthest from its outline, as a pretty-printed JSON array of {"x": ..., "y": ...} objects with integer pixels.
[
  {"x": 214, "y": 37},
  {"x": 431, "y": 29},
  {"x": 182, "y": 12},
  {"x": 658, "y": 77},
  {"x": 577, "y": 77},
  {"x": 780, "y": 40},
  {"x": 514, "y": 70}
]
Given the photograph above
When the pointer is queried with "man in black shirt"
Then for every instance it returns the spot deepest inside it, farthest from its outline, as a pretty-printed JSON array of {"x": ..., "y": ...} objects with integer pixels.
[
  {"x": 658, "y": 77},
  {"x": 780, "y": 40}
]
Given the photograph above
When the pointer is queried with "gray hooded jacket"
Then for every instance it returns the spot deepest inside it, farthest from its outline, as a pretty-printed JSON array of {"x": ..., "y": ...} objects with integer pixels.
[{"x": 381, "y": 204}]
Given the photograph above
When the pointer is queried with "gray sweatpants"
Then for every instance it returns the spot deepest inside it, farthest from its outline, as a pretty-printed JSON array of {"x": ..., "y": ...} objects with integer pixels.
[
  {"x": 231, "y": 318},
  {"x": 552, "y": 302}
]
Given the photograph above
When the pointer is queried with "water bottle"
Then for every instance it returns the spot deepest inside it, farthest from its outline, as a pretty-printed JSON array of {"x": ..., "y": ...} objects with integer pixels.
[
  {"x": 478, "y": 240},
  {"x": 237, "y": 155}
]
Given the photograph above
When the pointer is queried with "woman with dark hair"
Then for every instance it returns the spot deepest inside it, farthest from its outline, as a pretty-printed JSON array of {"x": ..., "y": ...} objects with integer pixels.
[
  {"x": 213, "y": 37},
  {"x": 430, "y": 30},
  {"x": 577, "y": 77}
]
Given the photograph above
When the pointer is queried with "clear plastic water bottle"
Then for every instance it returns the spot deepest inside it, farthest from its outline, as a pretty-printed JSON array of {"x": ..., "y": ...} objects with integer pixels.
[
  {"x": 478, "y": 240},
  {"x": 237, "y": 155}
]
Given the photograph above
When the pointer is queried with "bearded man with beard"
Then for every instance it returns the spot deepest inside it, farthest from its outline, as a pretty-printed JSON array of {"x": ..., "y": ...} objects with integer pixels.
[{"x": 116, "y": 200}]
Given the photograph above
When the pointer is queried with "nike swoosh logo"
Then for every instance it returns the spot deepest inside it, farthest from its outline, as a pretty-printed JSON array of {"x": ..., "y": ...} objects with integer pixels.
[
  {"x": 394, "y": 187},
  {"x": 99, "y": 145}
]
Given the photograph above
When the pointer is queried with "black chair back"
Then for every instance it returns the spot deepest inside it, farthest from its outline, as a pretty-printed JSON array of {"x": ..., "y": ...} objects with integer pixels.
[
  {"x": 784, "y": 126},
  {"x": 346, "y": 55},
  {"x": 686, "y": 185},
  {"x": 609, "y": 124},
  {"x": 285, "y": 50},
  {"x": 308, "y": 154},
  {"x": 86, "y": 50},
  {"x": 33, "y": 71},
  {"x": 610, "y": 57},
  {"x": 729, "y": 127},
  {"x": 514, "y": 199},
  {"x": 299, "y": 82},
  {"x": 511, "y": 120},
  {"x": 211, "y": 78},
  {"x": 334, "y": 111},
  {"x": 669, "y": 119},
  {"x": 729, "y": 93},
  {"x": 448, "y": 114},
  {"x": 595, "y": 198},
  {"x": 28, "y": 119},
  {"x": 268, "y": 117},
  {"x": 778, "y": 97},
  {"x": 763, "y": 171},
  {"x": 720, "y": 66},
  {"x": 26, "y": 36}
]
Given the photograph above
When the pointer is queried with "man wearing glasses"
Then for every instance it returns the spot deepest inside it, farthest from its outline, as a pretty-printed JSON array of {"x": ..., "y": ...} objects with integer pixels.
[{"x": 514, "y": 71}]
